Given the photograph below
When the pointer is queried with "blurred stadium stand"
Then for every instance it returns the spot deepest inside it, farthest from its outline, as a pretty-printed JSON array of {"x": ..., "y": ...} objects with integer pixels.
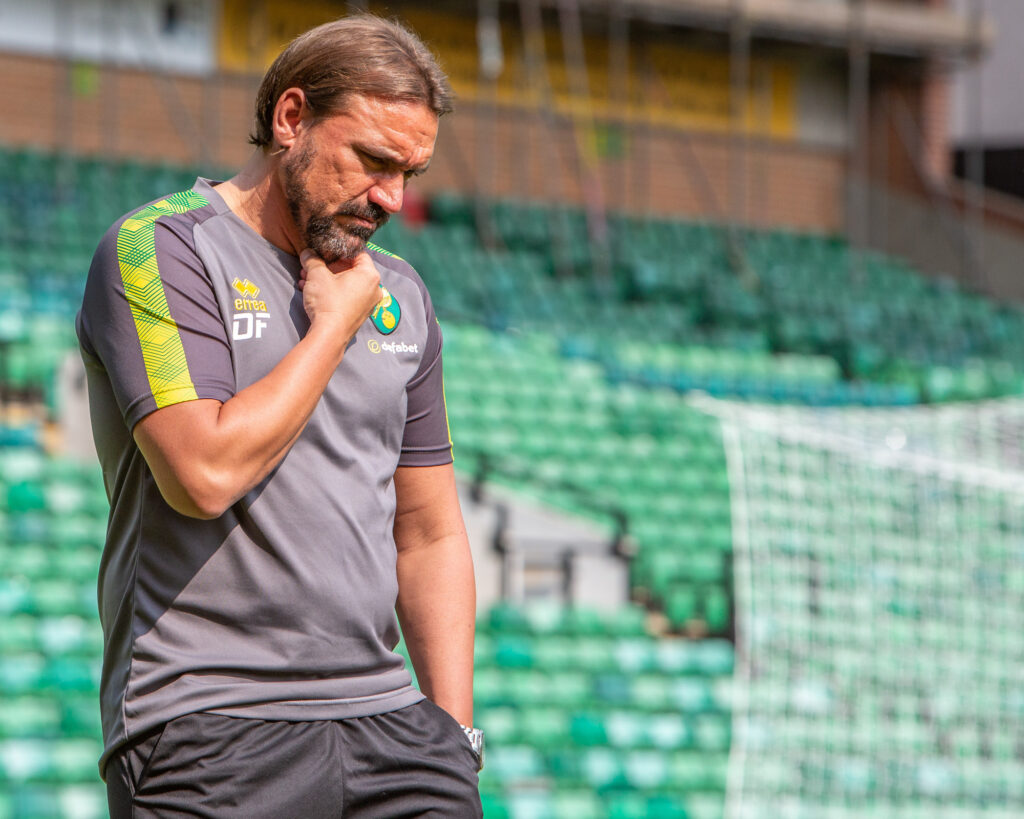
[{"x": 715, "y": 217}]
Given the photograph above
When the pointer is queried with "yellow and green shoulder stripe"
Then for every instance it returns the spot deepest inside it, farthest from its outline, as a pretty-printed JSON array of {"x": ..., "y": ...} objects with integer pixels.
[{"x": 162, "y": 350}]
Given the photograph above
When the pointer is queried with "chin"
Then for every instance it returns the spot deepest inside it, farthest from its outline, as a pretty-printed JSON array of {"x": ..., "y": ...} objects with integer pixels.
[{"x": 338, "y": 248}]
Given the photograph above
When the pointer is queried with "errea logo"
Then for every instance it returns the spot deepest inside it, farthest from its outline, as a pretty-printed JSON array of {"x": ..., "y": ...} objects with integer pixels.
[
  {"x": 392, "y": 347},
  {"x": 245, "y": 288},
  {"x": 251, "y": 313}
]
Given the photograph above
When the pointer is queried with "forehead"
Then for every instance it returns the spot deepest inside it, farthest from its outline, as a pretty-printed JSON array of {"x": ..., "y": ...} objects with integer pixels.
[{"x": 372, "y": 122}]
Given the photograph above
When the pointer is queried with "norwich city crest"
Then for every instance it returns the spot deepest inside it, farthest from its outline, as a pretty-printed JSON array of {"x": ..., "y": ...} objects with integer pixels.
[{"x": 387, "y": 313}]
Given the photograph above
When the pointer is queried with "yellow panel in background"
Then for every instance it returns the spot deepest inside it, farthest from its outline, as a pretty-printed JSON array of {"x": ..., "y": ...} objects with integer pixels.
[
  {"x": 666, "y": 84},
  {"x": 252, "y": 33},
  {"x": 784, "y": 114},
  {"x": 235, "y": 36},
  {"x": 694, "y": 89},
  {"x": 688, "y": 85},
  {"x": 287, "y": 20},
  {"x": 453, "y": 40}
]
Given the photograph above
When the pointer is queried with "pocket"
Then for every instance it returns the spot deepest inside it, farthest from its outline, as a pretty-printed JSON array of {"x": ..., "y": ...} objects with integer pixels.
[
  {"x": 455, "y": 729},
  {"x": 138, "y": 756}
]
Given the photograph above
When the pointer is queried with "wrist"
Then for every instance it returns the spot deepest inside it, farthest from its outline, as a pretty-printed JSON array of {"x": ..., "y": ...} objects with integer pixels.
[{"x": 330, "y": 330}]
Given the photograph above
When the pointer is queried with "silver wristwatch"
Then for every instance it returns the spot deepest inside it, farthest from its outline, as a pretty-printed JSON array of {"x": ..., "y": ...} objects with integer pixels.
[{"x": 476, "y": 742}]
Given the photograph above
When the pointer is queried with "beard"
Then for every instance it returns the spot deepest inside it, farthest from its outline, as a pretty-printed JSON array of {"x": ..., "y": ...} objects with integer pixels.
[{"x": 318, "y": 223}]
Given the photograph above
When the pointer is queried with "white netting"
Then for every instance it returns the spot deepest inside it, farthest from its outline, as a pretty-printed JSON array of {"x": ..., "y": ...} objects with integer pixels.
[{"x": 879, "y": 570}]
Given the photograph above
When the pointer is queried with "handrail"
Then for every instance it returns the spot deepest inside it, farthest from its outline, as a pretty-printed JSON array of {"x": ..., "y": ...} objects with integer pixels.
[
  {"x": 559, "y": 551},
  {"x": 488, "y": 464}
]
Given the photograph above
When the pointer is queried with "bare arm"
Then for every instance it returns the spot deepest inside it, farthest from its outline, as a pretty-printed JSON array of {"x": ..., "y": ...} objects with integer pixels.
[
  {"x": 436, "y": 587},
  {"x": 206, "y": 454}
]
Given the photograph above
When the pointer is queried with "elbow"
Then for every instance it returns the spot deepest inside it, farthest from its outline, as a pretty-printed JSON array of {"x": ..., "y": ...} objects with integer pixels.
[
  {"x": 202, "y": 496},
  {"x": 198, "y": 508},
  {"x": 197, "y": 471}
]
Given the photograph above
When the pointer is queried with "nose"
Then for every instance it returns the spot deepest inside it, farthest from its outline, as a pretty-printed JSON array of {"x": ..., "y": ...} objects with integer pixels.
[{"x": 387, "y": 192}]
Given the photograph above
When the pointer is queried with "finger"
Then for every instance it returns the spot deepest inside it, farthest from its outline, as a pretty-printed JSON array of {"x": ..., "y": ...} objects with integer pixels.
[
  {"x": 364, "y": 263},
  {"x": 309, "y": 260}
]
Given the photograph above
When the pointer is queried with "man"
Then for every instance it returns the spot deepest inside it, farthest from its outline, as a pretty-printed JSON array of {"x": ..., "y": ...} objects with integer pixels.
[{"x": 265, "y": 389}]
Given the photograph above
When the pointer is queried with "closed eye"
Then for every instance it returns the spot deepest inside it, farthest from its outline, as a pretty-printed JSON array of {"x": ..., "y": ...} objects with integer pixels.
[
  {"x": 378, "y": 163},
  {"x": 383, "y": 164}
]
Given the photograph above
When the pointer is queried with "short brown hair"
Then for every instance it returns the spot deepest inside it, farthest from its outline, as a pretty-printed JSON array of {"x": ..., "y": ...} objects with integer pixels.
[{"x": 360, "y": 54}]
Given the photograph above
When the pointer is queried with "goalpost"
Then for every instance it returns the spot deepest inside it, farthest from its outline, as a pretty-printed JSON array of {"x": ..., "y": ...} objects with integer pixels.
[{"x": 879, "y": 586}]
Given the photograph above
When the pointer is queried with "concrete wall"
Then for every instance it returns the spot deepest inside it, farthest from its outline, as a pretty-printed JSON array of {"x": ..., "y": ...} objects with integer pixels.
[
  {"x": 934, "y": 238},
  {"x": 995, "y": 116}
]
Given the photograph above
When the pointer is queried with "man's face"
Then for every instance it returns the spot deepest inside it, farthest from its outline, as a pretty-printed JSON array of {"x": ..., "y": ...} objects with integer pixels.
[{"x": 345, "y": 174}]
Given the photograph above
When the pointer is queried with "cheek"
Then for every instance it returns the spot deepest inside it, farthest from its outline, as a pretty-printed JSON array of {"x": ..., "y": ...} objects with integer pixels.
[{"x": 348, "y": 173}]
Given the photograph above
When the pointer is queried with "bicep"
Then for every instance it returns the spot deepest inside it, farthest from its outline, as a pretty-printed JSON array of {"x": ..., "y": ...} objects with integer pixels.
[
  {"x": 427, "y": 505},
  {"x": 173, "y": 441},
  {"x": 171, "y": 436}
]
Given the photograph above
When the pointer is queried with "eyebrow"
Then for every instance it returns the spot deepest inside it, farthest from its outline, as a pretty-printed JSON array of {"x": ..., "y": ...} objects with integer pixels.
[{"x": 394, "y": 159}]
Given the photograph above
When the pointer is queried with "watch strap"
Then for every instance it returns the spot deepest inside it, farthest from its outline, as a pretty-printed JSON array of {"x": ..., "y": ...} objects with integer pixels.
[{"x": 476, "y": 742}]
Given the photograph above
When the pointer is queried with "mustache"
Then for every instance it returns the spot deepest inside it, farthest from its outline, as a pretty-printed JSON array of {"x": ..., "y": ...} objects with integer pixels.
[{"x": 371, "y": 212}]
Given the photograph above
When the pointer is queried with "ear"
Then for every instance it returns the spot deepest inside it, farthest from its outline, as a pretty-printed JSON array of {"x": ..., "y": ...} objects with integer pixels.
[{"x": 290, "y": 115}]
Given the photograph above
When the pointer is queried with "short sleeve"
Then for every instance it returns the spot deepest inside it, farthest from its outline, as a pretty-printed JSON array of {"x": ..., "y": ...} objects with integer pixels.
[
  {"x": 427, "y": 441},
  {"x": 150, "y": 317}
]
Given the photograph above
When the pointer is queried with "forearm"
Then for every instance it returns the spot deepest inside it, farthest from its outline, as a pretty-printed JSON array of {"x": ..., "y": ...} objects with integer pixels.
[
  {"x": 258, "y": 426},
  {"x": 437, "y": 610},
  {"x": 231, "y": 447}
]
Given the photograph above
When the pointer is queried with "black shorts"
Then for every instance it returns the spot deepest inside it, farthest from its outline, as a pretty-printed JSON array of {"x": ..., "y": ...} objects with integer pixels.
[{"x": 412, "y": 762}]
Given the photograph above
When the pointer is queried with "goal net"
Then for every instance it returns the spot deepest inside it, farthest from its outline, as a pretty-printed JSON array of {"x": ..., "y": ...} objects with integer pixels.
[{"x": 879, "y": 586}]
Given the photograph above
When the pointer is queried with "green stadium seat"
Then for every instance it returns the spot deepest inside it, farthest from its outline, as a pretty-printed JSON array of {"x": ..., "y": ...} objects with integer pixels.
[
  {"x": 70, "y": 634},
  {"x": 494, "y": 805},
  {"x": 577, "y": 804},
  {"x": 705, "y": 806},
  {"x": 23, "y": 760},
  {"x": 588, "y": 729},
  {"x": 19, "y": 633},
  {"x": 712, "y": 732},
  {"x": 603, "y": 769},
  {"x": 15, "y": 595},
  {"x": 568, "y": 688},
  {"x": 80, "y": 715},
  {"x": 514, "y": 763},
  {"x": 72, "y": 674},
  {"x": 513, "y": 652},
  {"x": 613, "y": 688},
  {"x": 544, "y": 728},
  {"x": 635, "y": 655},
  {"x": 646, "y": 769},
  {"x": 488, "y": 686},
  {"x": 691, "y": 695},
  {"x": 29, "y": 717},
  {"x": 58, "y": 597}
]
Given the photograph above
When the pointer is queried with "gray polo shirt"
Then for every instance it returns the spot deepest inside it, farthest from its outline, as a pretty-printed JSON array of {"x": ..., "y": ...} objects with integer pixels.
[{"x": 283, "y": 607}]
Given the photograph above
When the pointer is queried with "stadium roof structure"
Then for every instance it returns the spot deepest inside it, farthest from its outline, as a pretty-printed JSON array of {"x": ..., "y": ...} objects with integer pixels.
[{"x": 887, "y": 27}]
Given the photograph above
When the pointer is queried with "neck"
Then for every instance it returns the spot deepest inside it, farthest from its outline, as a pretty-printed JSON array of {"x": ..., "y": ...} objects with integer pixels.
[{"x": 255, "y": 196}]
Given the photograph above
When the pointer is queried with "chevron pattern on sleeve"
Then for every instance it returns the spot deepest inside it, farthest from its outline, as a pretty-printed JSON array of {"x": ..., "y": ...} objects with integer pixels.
[{"x": 162, "y": 350}]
